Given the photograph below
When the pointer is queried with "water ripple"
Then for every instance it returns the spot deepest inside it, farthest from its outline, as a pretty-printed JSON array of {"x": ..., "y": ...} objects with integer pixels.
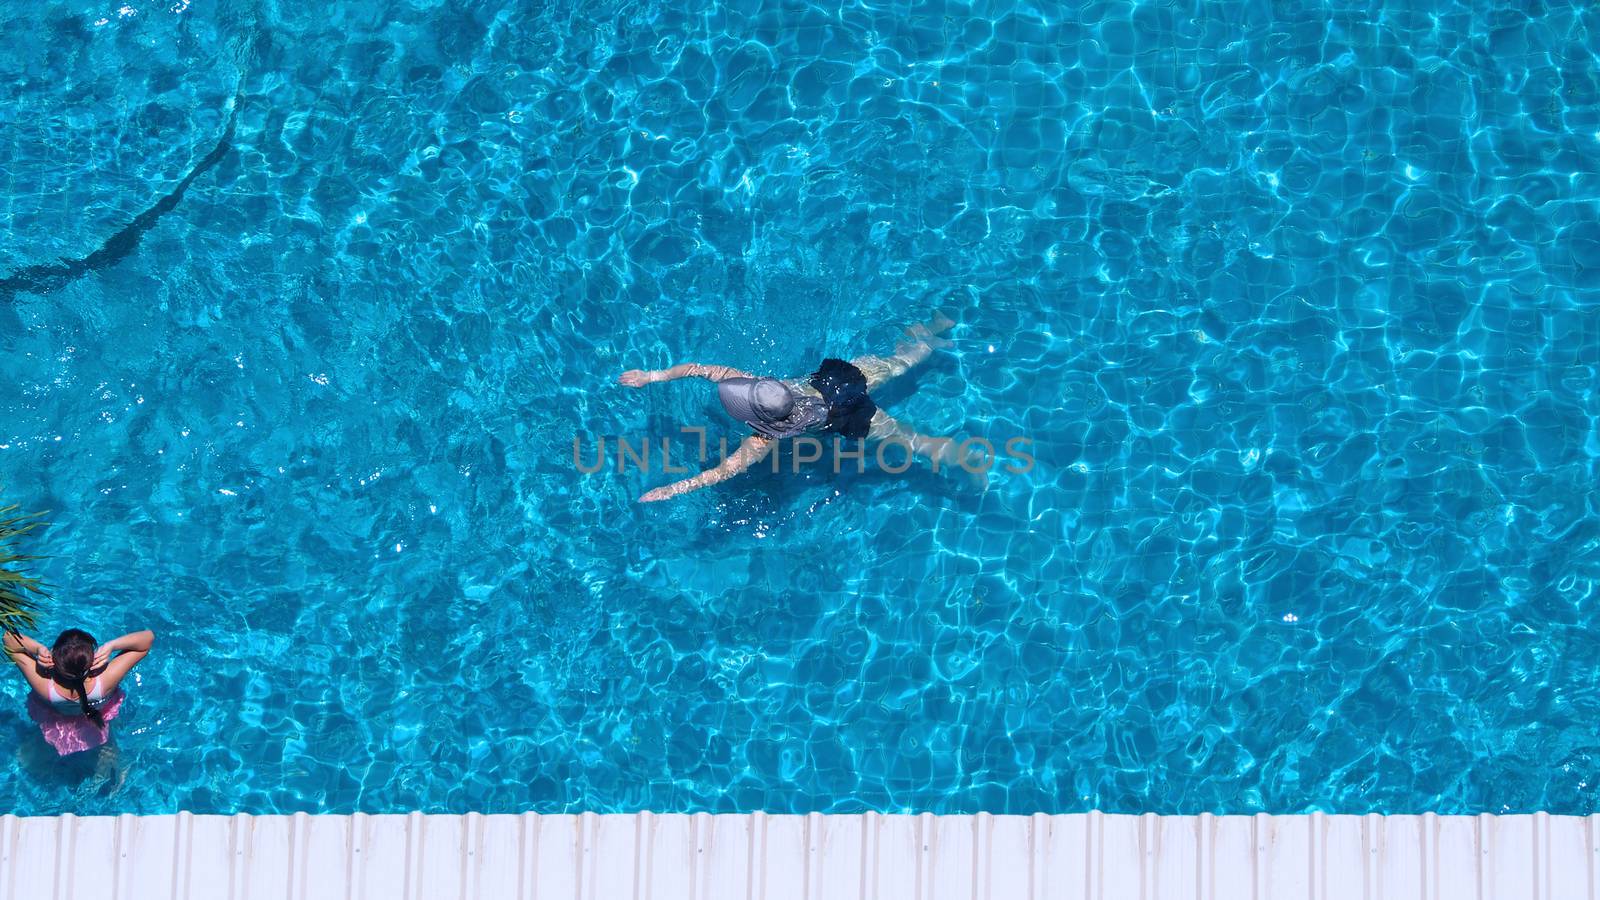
[{"x": 1298, "y": 306}]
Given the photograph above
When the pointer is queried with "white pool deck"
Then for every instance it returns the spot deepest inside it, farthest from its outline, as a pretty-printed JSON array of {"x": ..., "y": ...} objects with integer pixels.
[{"x": 815, "y": 857}]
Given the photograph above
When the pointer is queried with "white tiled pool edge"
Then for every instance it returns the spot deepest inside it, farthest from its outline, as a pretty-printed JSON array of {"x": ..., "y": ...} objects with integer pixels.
[{"x": 817, "y": 857}]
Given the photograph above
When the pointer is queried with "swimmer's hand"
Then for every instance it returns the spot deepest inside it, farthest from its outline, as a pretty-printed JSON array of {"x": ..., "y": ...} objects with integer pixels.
[
  {"x": 634, "y": 378},
  {"x": 660, "y": 493},
  {"x": 45, "y": 659}
]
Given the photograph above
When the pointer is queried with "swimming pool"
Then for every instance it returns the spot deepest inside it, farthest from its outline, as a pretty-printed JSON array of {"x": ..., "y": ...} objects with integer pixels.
[{"x": 1297, "y": 303}]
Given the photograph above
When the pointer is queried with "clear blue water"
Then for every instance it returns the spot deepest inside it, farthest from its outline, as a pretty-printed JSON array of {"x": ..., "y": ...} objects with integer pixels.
[{"x": 1298, "y": 302}]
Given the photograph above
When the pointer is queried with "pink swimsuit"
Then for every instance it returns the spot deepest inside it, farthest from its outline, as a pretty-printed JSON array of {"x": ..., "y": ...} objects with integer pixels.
[{"x": 65, "y": 726}]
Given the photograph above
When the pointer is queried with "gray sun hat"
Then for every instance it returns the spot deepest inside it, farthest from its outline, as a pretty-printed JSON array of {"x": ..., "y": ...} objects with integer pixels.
[{"x": 768, "y": 406}]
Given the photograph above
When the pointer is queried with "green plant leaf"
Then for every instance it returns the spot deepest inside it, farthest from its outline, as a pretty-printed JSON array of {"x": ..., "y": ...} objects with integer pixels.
[{"x": 19, "y": 591}]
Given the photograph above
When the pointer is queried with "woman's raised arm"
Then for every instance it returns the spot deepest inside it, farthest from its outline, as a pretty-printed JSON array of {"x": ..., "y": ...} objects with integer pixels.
[{"x": 128, "y": 650}]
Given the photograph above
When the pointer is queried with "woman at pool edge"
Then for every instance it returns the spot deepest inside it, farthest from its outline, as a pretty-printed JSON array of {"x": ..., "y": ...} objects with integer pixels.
[
  {"x": 76, "y": 685},
  {"x": 834, "y": 399}
]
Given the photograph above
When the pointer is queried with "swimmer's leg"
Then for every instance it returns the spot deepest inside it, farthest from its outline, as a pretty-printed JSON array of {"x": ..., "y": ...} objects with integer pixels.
[
  {"x": 109, "y": 773},
  {"x": 941, "y": 451},
  {"x": 880, "y": 369},
  {"x": 939, "y": 324}
]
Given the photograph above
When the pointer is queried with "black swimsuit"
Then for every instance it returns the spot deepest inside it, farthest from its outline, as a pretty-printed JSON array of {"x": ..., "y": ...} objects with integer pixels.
[{"x": 844, "y": 388}]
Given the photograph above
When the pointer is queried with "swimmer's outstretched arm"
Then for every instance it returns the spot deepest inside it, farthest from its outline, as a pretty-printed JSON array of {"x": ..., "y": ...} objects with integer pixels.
[
  {"x": 642, "y": 377},
  {"x": 754, "y": 448}
]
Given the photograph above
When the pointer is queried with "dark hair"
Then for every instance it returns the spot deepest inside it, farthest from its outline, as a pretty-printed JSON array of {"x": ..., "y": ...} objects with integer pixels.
[{"x": 73, "y": 655}]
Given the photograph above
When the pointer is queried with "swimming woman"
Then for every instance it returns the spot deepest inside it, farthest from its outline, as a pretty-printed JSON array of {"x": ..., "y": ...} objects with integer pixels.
[
  {"x": 835, "y": 399},
  {"x": 77, "y": 686}
]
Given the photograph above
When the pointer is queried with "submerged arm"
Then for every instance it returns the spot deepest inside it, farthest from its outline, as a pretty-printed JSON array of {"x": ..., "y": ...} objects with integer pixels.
[
  {"x": 642, "y": 377},
  {"x": 749, "y": 453}
]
